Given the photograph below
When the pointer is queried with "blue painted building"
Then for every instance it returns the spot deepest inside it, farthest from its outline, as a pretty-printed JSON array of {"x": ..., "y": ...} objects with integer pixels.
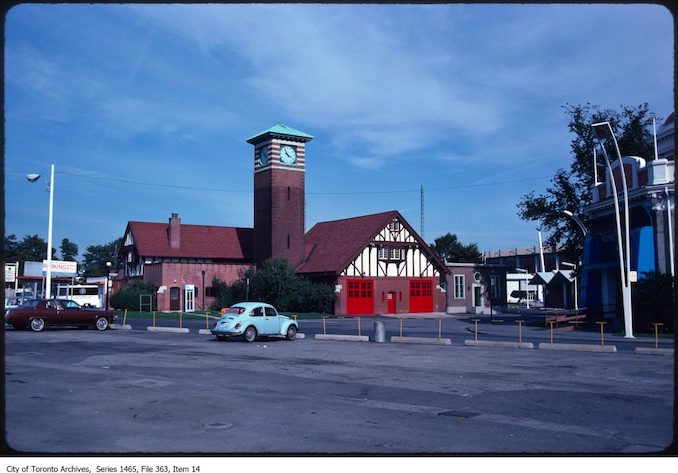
[{"x": 651, "y": 210}]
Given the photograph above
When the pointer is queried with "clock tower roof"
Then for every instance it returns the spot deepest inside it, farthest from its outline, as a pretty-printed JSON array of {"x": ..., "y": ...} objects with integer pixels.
[{"x": 280, "y": 131}]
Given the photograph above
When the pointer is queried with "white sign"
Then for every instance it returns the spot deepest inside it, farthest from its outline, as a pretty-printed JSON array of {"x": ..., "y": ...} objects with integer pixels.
[
  {"x": 633, "y": 276},
  {"x": 10, "y": 272},
  {"x": 70, "y": 267}
]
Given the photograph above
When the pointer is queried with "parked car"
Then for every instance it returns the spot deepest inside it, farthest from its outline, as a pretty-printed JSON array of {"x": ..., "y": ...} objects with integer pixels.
[
  {"x": 253, "y": 319},
  {"x": 40, "y": 313}
]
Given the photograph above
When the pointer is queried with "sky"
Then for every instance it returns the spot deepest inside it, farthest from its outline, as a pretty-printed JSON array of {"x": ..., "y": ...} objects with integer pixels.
[{"x": 145, "y": 109}]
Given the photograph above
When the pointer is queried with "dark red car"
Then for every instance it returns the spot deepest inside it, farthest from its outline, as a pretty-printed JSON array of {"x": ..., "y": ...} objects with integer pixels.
[{"x": 39, "y": 313}]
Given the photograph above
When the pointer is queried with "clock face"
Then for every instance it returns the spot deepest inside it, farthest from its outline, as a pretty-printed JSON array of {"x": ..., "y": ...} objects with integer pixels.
[
  {"x": 263, "y": 156},
  {"x": 288, "y": 154}
]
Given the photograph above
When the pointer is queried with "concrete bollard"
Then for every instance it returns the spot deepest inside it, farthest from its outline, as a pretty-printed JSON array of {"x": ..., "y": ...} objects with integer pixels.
[{"x": 379, "y": 332}]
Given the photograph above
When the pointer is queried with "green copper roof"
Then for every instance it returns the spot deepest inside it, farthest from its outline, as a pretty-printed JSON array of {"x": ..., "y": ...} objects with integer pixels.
[{"x": 281, "y": 131}]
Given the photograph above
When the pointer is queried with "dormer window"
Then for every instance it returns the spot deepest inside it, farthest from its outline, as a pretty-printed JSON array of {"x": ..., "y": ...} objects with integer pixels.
[{"x": 394, "y": 226}]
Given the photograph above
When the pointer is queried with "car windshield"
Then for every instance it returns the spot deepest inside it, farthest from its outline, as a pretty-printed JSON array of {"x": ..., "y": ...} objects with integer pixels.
[{"x": 236, "y": 310}]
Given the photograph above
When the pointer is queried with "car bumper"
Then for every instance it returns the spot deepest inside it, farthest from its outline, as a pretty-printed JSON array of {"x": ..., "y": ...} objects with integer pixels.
[{"x": 226, "y": 333}]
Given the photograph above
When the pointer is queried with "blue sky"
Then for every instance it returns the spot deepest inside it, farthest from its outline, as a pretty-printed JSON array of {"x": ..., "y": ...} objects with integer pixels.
[{"x": 145, "y": 109}]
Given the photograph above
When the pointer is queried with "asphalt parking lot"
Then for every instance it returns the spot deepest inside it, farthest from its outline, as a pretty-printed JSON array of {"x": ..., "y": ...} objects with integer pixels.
[{"x": 133, "y": 391}]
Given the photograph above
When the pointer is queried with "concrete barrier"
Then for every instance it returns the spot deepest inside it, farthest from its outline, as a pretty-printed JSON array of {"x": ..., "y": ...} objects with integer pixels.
[
  {"x": 120, "y": 326},
  {"x": 346, "y": 338},
  {"x": 204, "y": 331},
  {"x": 422, "y": 340},
  {"x": 655, "y": 351},
  {"x": 578, "y": 347},
  {"x": 168, "y": 329},
  {"x": 488, "y": 343}
]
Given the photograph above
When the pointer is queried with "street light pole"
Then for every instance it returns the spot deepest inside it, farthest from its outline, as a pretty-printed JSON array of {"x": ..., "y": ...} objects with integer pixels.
[
  {"x": 50, "y": 184},
  {"x": 603, "y": 130}
]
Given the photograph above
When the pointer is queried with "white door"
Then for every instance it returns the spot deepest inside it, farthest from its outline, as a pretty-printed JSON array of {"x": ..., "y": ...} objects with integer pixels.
[{"x": 189, "y": 298}]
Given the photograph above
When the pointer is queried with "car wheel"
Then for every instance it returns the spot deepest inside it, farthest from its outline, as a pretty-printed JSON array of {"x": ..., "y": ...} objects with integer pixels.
[
  {"x": 291, "y": 333},
  {"x": 250, "y": 334},
  {"x": 102, "y": 323},
  {"x": 37, "y": 325}
]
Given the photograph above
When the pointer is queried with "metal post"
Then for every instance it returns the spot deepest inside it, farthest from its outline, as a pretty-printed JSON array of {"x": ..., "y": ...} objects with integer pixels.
[
  {"x": 358, "y": 326},
  {"x": 656, "y": 334},
  {"x": 551, "y": 322},
  {"x": 520, "y": 331},
  {"x": 154, "y": 318},
  {"x": 324, "y": 332},
  {"x": 602, "y": 332},
  {"x": 440, "y": 329},
  {"x": 475, "y": 328},
  {"x": 401, "y": 328},
  {"x": 48, "y": 293}
]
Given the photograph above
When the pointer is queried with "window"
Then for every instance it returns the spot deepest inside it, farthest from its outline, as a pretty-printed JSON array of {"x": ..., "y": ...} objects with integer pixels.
[
  {"x": 270, "y": 312},
  {"x": 394, "y": 254},
  {"x": 209, "y": 292},
  {"x": 494, "y": 286},
  {"x": 459, "y": 283},
  {"x": 394, "y": 226},
  {"x": 257, "y": 312}
]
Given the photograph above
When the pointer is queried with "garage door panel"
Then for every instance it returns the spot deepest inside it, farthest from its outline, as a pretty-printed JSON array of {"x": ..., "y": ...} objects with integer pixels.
[
  {"x": 360, "y": 297},
  {"x": 421, "y": 295}
]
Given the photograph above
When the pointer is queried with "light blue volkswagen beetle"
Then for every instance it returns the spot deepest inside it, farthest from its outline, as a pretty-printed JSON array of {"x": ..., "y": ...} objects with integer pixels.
[{"x": 253, "y": 319}]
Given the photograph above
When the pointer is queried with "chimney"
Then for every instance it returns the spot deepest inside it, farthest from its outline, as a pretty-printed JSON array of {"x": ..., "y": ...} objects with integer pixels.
[{"x": 174, "y": 231}]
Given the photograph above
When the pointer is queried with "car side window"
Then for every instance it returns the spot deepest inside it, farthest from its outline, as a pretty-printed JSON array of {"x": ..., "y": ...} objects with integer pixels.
[
  {"x": 270, "y": 312},
  {"x": 257, "y": 312}
]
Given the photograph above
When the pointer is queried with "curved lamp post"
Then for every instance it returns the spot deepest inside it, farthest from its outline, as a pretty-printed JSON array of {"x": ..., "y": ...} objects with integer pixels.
[
  {"x": 50, "y": 184},
  {"x": 603, "y": 131},
  {"x": 582, "y": 227}
]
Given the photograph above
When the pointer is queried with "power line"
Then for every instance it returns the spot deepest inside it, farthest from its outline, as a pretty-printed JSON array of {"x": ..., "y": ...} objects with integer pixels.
[{"x": 237, "y": 191}]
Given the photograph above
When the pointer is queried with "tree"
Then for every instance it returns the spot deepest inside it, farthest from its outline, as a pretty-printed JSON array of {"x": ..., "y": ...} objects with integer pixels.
[
  {"x": 129, "y": 296},
  {"x": 449, "y": 248},
  {"x": 69, "y": 250},
  {"x": 653, "y": 302},
  {"x": 571, "y": 189},
  {"x": 96, "y": 257},
  {"x": 30, "y": 248},
  {"x": 275, "y": 283}
]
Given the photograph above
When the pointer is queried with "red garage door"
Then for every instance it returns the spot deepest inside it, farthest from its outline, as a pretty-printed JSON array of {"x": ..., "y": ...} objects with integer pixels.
[
  {"x": 360, "y": 298},
  {"x": 421, "y": 295}
]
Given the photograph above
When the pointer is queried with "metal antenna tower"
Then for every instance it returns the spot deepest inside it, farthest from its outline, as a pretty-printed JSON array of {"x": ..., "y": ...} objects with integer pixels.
[{"x": 422, "y": 212}]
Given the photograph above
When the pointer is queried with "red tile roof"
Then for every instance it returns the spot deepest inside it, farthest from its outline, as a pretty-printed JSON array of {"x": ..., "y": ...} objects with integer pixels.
[
  {"x": 331, "y": 246},
  {"x": 197, "y": 241}
]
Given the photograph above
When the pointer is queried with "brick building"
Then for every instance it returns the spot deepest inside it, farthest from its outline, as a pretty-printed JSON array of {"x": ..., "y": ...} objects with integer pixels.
[{"x": 377, "y": 263}]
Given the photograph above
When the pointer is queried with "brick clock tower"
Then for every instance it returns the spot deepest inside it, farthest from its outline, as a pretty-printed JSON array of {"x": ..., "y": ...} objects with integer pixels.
[{"x": 279, "y": 171}]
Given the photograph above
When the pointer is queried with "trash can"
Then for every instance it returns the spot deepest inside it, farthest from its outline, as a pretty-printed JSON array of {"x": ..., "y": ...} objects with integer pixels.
[{"x": 379, "y": 332}]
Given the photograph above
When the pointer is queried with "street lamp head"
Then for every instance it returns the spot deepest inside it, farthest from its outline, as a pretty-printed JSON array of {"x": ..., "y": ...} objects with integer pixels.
[
  {"x": 32, "y": 177},
  {"x": 568, "y": 213},
  {"x": 108, "y": 263},
  {"x": 602, "y": 130}
]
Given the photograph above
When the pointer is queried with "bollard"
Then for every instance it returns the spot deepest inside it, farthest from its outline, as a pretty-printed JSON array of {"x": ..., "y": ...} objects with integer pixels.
[
  {"x": 358, "y": 326},
  {"x": 475, "y": 328},
  {"x": 552, "y": 322},
  {"x": 401, "y": 328},
  {"x": 154, "y": 318},
  {"x": 440, "y": 329},
  {"x": 324, "y": 331},
  {"x": 124, "y": 318},
  {"x": 379, "y": 332},
  {"x": 207, "y": 320},
  {"x": 181, "y": 314},
  {"x": 602, "y": 332},
  {"x": 656, "y": 334},
  {"x": 520, "y": 331}
]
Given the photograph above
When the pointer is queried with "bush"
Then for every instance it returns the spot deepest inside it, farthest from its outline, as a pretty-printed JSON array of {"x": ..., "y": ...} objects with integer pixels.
[
  {"x": 275, "y": 283},
  {"x": 128, "y": 297},
  {"x": 652, "y": 300}
]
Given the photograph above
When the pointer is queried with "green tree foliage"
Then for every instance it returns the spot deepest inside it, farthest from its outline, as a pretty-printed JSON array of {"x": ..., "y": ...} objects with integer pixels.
[
  {"x": 449, "y": 248},
  {"x": 69, "y": 250},
  {"x": 570, "y": 189},
  {"x": 275, "y": 283},
  {"x": 653, "y": 302},
  {"x": 128, "y": 297},
  {"x": 30, "y": 248},
  {"x": 96, "y": 257}
]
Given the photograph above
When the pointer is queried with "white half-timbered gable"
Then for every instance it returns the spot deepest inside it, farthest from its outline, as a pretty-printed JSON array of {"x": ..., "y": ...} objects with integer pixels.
[{"x": 394, "y": 252}]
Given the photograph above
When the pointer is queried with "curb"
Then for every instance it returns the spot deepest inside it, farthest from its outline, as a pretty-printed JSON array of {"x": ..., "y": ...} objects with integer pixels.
[
  {"x": 486, "y": 343},
  {"x": 347, "y": 338},
  {"x": 168, "y": 329},
  {"x": 422, "y": 341},
  {"x": 578, "y": 347},
  {"x": 204, "y": 331},
  {"x": 120, "y": 326},
  {"x": 655, "y": 351}
]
